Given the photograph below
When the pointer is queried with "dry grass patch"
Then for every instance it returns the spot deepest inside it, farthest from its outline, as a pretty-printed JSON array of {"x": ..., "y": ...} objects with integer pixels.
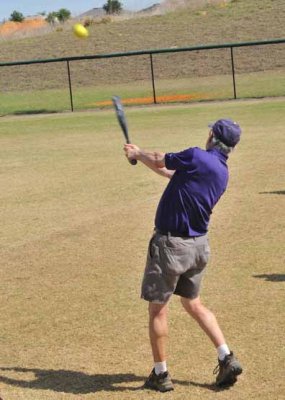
[
  {"x": 245, "y": 20},
  {"x": 18, "y": 29},
  {"x": 76, "y": 218}
]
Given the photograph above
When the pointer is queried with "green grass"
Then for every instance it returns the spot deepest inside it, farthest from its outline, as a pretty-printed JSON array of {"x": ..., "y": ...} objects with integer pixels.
[
  {"x": 244, "y": 20},
  {"x": 75, "y": 222},
  {"x": 259, "y": 84}
]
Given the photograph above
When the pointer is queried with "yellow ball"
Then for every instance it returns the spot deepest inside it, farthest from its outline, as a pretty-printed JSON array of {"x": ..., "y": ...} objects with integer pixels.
[{"x": 80, "y": 31}]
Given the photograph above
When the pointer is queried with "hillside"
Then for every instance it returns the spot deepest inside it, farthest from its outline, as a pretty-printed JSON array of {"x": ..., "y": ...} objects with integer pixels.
[{"x": 239, "y": 20}]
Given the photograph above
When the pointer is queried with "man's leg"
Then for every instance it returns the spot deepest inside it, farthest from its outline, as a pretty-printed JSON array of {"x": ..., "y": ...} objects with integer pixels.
[
  {"x": 159, "y": 378},
  {"x": 229, "y": 367},
  {"x": 205, "y": 318},
  {"x": 158, "y": 330}
]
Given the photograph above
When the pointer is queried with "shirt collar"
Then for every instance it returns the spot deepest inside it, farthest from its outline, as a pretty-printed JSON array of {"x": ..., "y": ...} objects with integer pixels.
[{"x": 221, "y": 156}]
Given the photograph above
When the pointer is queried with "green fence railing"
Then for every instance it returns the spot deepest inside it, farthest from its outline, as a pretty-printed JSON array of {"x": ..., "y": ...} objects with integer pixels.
[{"x": 151, "y": 53}]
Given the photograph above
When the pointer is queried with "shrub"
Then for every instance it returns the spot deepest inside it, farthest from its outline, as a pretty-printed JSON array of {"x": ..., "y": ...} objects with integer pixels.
[
  {"x": 17, "y": 16},
  {"x": 88, "y": 22},
  {"x": 113, "y": 7},
  {"x": 63, "y": 14},
  {"x": 52, "y": 18}
]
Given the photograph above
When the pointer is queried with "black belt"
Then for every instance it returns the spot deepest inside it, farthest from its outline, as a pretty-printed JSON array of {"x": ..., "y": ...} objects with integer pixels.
[{"x": 174, "y": 234}]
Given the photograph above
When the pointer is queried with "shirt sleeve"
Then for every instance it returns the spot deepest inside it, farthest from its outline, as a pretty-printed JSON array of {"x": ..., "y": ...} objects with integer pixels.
[{"x": 179, "y": 161}]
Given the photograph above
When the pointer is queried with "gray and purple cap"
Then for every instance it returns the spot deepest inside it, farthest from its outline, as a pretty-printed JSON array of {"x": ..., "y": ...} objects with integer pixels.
[{"x": 227, "y": 131}]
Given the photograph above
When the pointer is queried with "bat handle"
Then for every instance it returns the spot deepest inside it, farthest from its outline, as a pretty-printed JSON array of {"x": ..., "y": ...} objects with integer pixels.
[{"x": 133, "y": 162}]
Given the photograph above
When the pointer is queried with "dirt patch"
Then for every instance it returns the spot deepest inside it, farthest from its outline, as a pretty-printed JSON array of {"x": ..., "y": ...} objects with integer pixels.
[
  {"x": 9, "y": 28},
  {"x": 160, "y": 99}
]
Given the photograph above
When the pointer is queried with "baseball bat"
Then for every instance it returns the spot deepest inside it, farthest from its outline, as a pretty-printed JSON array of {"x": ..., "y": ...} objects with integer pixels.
[{"x": 122, "y": 120}]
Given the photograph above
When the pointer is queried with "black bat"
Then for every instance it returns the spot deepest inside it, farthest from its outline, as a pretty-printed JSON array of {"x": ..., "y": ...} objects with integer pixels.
[{"x": 122, "y": 120}]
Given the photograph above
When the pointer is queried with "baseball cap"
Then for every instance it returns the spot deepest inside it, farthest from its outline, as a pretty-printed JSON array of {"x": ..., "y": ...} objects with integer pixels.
[{"x": 227, "y": 131}]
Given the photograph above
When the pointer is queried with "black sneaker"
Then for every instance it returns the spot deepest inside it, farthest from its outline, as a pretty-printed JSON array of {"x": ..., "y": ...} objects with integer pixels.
[
  {"x": 161, "y": 382},
  {"x": 227, "y": 371}
]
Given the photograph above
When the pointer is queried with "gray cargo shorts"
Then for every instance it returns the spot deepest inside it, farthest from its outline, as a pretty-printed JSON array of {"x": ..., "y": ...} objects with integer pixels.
[{"x": 175, "y": 265}]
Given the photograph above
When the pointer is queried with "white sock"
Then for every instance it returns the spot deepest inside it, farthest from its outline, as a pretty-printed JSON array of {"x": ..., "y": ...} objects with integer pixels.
[
  {"x": 223, "y": 351},
  {"x": 160, "y": 367}
]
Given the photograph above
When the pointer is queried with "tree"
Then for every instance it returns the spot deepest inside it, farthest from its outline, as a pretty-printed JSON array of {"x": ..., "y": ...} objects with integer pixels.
[
  {"x": 63, "y": 14},
  {"x": 17, "y": 16},
  {"x": 113, "y": 7},
  {"x": 52, "y": 18}
]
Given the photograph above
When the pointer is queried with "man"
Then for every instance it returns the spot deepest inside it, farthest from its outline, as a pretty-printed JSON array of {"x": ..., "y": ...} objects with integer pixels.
[{"x": 179, "y": 250}]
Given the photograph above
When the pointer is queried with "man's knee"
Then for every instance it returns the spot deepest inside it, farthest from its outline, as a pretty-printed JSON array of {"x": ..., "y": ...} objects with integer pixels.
[
  {"x": 192, "y": 306},
  {"x": 157, "y": 310}
]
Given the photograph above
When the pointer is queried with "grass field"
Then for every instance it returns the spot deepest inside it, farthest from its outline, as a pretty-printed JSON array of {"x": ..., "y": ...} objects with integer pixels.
[
  {"x": 259, "y": 84},
  {"x": 202, "y": 75},
  {"x": 75, "y": 223},
  {"x": 230, "y": 22}
]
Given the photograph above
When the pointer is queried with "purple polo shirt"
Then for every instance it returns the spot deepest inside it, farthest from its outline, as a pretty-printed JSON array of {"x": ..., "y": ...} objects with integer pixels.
[{"x": 199, "y": 180}]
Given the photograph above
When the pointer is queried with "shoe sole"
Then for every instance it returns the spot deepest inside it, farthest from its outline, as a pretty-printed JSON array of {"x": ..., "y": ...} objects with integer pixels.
[
  {"x": 157, "y": 389},
  {"x": 231, "y": 378}
]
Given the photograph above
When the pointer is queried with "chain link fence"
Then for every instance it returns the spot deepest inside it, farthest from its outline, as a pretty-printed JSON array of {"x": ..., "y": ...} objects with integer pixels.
[{"x": 227, "y": 71}]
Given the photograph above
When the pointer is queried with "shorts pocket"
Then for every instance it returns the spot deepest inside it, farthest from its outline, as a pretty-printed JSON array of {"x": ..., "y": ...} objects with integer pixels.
[
  {"x": 152, "y": 247},
  {"x": 176, "y": 256},
  {"x": 203, "y": 256}
]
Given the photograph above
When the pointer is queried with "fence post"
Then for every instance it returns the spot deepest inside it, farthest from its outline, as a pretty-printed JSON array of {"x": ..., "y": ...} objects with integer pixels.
[
  {"x": 70, "y": 87},
  {"x": 152, "y": 79},
  {"x": 233, "y": 72}
]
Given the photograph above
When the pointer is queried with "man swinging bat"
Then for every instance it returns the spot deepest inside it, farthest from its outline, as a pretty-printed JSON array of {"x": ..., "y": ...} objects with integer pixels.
[{"x": 179, "y": 250}]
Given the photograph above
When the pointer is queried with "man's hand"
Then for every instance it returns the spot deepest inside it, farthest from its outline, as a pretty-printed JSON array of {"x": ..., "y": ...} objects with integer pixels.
[
  {"x": 152, "y": 159},
  {"x": 132, "y": 151}
]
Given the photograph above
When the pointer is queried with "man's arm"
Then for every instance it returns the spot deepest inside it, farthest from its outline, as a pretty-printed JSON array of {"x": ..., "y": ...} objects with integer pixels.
[{"x": 152, "y": 159}]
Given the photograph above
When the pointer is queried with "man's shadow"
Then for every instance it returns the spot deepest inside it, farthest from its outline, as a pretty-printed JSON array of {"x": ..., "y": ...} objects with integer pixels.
[
  {"x": 71, "y": 381},
  {"x": 274, "y": 192},
  {"x": 74, "y": 382},
  {"x": 271, "y": 277}
]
